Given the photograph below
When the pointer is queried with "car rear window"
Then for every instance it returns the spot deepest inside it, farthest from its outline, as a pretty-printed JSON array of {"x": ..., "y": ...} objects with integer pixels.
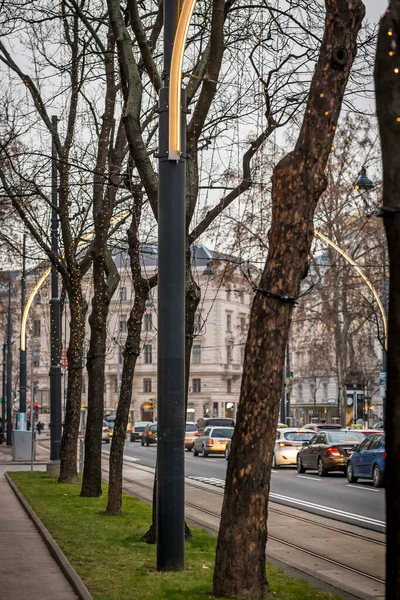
[
  {"x": 190, "y": 427},
  {"x": 153, "y": 428},
  {"x": 222, "y": 433},
  {"x": 344, "y": 437},
  {"x": 140, "y": 428},
  {"x": 300, "y": 437}
]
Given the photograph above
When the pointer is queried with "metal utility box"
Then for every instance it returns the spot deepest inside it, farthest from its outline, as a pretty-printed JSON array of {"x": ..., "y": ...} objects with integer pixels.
[{"x": 21, "y": 445}]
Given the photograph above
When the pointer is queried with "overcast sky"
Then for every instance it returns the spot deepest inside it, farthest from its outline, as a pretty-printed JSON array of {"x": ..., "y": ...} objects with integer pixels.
[{"x": 375, "y": 9}]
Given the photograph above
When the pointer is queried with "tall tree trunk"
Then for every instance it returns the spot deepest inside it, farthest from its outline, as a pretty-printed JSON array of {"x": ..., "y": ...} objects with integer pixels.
[
  {"x": 388, "y": 110},
  {"x": 131, "y": 353},
  {"x": 69, "y": 442},
  {"x": 297, "y": 183},
  {"x": 96, "y": 358}
]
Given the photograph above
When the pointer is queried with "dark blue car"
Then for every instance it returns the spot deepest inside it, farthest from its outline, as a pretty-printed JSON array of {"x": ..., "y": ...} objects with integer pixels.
[{"x": 368, "y": 460}]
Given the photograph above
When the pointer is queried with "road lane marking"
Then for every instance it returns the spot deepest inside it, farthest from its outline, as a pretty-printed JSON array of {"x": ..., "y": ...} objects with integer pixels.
[
  {"x": 329, "y": 509},
  {"x": 362, "y": 487},
  {"x": 307, "y": 477}
]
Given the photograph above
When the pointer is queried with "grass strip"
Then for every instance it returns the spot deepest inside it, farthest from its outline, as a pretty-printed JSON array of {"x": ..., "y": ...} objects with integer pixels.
[{"x": 109, "y": 556}]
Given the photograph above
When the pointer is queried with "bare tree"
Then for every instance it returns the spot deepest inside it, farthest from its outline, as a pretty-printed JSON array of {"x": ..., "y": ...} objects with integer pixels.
[{"x": 298, "y": 182}]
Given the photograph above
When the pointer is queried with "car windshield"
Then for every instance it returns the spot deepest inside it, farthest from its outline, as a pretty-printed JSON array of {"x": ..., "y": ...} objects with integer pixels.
[
  {"x": 345, "y": 437},
  {"x": 140, "y": 427},
  {"x": 222, "y": 433},
  {"x": 153, "y": 428},
  {"x": 110, "y": 424},
  {"x": 190, "y": 427}
]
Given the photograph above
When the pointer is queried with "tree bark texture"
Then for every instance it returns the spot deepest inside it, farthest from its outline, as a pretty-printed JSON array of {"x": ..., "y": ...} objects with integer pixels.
[
  {"x": 297, "y": 183},
  {"x": 69, "y": 442},
  {"x": 91, "y": 480},
  {"x": 131, "y": 352},
  {"x": 105, "y": 279},
  {"x": 387, "y": 85}
]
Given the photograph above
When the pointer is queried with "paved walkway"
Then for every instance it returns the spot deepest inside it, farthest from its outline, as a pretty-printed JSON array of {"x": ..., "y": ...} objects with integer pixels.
[{"x": 27, "y": 570}]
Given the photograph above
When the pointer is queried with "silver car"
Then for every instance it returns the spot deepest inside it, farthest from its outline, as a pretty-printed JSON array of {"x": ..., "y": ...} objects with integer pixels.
[
  {"x": 287, "y": 444},
  {"x": 212, "y": 440}
]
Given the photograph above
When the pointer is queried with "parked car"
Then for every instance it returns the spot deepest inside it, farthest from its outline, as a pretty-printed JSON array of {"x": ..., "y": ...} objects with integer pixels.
[
  {"x": 110, "y": 420},
  {"x": 213, "y": 440},
  {"x": 190, "y": 434},
  {"x": 105, "y": 434},
  {"x": 287, "y": 444},
  {"x": 322, "y": 427},
  {"x": 137, "y": 430},
  {"x": 149, "y": 435},
  {"x": 368, "y": 460},
  {"x": 328, "y": 451}
]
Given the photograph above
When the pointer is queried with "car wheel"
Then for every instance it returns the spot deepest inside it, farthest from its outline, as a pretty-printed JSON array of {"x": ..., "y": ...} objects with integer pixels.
[
  {"x": 142, "y": 443},
  {"x": 274, "y": 463},
  {"x": 321, "y": 469},
  {"x": 147, "y": 443},
  {"x": 132, "y": 440},
  {"x": 377, "y": 477},
  {"x": 227, "y": 453},
  {"x": 205, "y": 453},
  {"x": 195, "y": 453},
  {"x": 350, "y": 474},
  {"x": 299, "y": 464}
]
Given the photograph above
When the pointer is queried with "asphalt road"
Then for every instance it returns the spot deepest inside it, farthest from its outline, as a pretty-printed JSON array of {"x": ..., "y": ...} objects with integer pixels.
[{"x": 359, "y": 504}]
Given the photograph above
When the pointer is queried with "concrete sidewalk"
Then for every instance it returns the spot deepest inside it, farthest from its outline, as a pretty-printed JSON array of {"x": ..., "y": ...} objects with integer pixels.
[{"x": 27, "y": 570}]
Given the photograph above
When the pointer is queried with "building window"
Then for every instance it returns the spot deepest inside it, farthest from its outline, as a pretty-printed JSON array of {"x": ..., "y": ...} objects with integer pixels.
[
  {"x": 229, "y": 386},
  {"x": 122, "y": 293},
  {"x": 36, "y": 357},
  {"x": 196, "y": 386},
  {"x": 228, "y": 294},
  {"x": 325, "y": 390},
  {"x": 36, "y": 328},
  {"x": 148, "y": 354},
  {"x": 242, "y": 324},
  {"x": 148, "y": 322},
  {"x": 197, "y": 323},
  {"x": 190, "y": 414},
  {"x": 229, "y": 353},
  {"x": 147, "y": 385},
  {"x": 120, "y": 356},
  {"x": 300, "y": 392},
  {"x": 83, "y": 387},
  {"x": 241, "y": 297},
  {"x": 242, "y": 355},
  {"x": 123, "y": 319},
  {"x": 38, "y": 299},
  {"x": 312, "y": 390},
  {"x": 229, "y": 322},
  {"x": 116, "y": 386},
  {"x": 196, "y": 355}
]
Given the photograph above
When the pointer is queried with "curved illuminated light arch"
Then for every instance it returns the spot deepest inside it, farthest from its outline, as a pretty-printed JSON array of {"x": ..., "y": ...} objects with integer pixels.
[
  {"x": 43, "y": 278},
  {"x": 175, "y": 81},
  {"x": 362, "y": 275}
]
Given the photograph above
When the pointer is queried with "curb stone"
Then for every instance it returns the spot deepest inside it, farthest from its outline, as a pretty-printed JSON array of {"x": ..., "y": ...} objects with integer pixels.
[{"x": 71, "y": 575}]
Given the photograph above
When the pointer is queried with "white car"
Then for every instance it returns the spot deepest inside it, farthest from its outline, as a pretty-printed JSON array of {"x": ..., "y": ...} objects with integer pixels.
[
  {"x": 105, "y": 434},
  {"x": 287, "y": 444},
  {"x": 213, "y": 440}
]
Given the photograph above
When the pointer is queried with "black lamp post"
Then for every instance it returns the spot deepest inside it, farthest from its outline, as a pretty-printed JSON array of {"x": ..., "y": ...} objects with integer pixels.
[
  {"x": 171, "y": 327},
  {"x": 22, "y": 353}
]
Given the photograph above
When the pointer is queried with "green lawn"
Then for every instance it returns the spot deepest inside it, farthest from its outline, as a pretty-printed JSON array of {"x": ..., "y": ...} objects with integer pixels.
[{"x": 108, "y": 554}]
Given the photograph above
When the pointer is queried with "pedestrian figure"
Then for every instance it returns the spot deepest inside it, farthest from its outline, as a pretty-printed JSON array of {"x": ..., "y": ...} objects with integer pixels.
[{"x": 39, "y": 427}]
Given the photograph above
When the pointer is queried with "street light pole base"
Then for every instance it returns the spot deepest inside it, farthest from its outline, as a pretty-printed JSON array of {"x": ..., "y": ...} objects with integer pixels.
[{"x": 53, "y": 469}]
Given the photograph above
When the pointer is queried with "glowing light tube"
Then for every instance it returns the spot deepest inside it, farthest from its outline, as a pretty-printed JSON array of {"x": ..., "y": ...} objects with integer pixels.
[
  {"x": 362, "y": 275},
  {"x": 175, "y": 81},
  {"x": 43, "y": 278}
]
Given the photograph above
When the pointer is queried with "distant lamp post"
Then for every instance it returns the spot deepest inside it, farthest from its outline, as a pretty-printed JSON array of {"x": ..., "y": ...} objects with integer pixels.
[{"x": 363, "y": 182}]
